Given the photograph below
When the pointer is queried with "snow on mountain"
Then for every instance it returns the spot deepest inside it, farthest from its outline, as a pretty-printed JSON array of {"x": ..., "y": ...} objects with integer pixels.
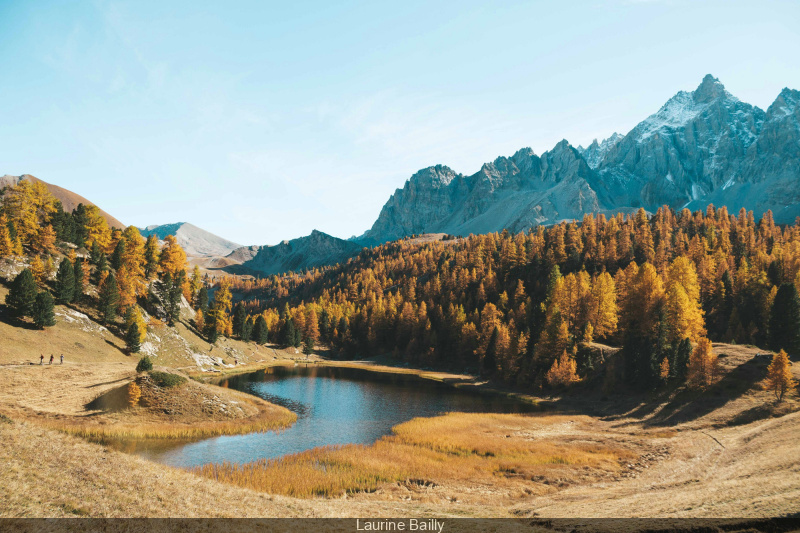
[
  {"x": 195, "y": 241},
  {"x": 700, "y": 147}
]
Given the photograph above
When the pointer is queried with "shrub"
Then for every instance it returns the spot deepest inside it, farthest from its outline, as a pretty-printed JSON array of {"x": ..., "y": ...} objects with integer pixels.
[
  {"x": 145, "y": 364},
  {"x": 167, "y": 380}
]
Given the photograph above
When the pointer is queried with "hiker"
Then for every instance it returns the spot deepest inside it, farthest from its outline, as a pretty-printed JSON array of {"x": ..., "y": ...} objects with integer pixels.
[
  {"x": 51, "y": 359},
  {"x": 41, "y": 359},
  {"x": 62, "y": 358}
]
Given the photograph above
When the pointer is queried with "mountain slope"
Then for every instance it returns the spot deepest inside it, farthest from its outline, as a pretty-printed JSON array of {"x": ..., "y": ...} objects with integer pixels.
[
  {"x": 69, "y": 199},
  {"x": 704, "y": 146},
  {"x": 317, "y": 249},
  {"x": 195, "y": 241}
]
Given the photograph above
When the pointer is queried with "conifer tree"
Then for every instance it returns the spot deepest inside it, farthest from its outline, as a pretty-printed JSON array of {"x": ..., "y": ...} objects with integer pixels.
[
  {"x": 37, "y": 268},
  {"x": 46, "y": 239},
  {"x": 779, "y": 375},
  {"x": 202, "y": 299},
  {"x": 6, "y": 244},
  {"x": 151, "y": 257},
  {"x": 79, "y": 275},
  {"x": 22, "y": 293},
  {"x": 563, "y": 372},
  {"x": 260, "y": 331},
  {"x": 199, "y": 320},
  {"x": 308, "y": 346},
  {"x": 247, "y": 329},
  {"x": 43, "y": 312},
  {"x": 171, "y": 291},
  {"x": 116, "y": 255},
  {"x": 703, "y": 366},
  {"x": 132, "y": 337},
  {"x": 65, "y": 282},
  {"x": 108, "y": 293},
  {"x": 134, "y": 316},
  {"x": 784, "y": 322},
  {"x": 239, "y": 318}
]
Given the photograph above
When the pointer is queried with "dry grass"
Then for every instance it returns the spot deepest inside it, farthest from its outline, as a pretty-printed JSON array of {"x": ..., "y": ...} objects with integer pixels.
[
  {"x": 472, "y": 449},
  {"x": 262, "y": 422}
]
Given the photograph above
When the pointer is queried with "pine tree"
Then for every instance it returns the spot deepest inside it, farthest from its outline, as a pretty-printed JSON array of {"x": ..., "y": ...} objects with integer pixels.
[
  {"x": 171, "y": 290},
  {"x": 116, "y": 255},
  {"x": 22, "y": 293},
  {"x": 784, "y": 322},
  {"x": 151, "y": 257},
  {"x": 239, "y": 318},
  {"x": 247, "y": 329},
  {"x": 308, "y": 346},
  {"x": 779, "y": 375},
  {"x": 79, "y": 278},
  {"x": 108, "y": 293},
  {"x": 43, "y": 312},
  {"x": 202, "y": 299},
  {"x": 132, "y": 337},
  {"x": 260, "y": 332},
  {"x": 65, "y": 282}
]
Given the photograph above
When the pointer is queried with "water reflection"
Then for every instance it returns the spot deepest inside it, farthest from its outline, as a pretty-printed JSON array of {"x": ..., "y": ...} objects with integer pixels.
[{"x": 334, "y": 406}]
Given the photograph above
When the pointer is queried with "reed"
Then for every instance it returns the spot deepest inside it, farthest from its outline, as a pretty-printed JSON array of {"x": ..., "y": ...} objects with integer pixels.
[{"x": 463, "y": 447}]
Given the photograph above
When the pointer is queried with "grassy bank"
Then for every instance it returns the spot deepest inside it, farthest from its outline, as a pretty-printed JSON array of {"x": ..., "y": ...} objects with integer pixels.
[{"x": 491, "y": 450}]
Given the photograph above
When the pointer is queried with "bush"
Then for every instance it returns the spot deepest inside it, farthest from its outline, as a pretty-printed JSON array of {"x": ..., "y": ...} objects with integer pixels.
[
  {"x": 145, "y": 364},
  {"x": 167, "y": 380}
]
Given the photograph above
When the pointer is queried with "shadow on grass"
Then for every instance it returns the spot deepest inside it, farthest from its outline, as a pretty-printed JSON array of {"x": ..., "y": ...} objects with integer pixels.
[{"x": 8, "y": 317}]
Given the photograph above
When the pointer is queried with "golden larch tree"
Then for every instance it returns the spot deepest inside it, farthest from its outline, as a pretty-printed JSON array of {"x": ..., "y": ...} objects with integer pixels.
[
  {"x": 779, "y": 375},
  {"x": 563, "y": 372},
  {"x": 703, "y": 367}
]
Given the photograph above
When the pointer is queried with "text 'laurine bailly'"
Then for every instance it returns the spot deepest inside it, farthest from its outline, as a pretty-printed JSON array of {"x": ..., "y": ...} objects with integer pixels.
[{"x": 411, "y": 524}]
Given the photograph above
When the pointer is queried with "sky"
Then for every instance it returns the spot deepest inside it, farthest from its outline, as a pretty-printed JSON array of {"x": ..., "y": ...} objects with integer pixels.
[{"x": 260, "y": 121}]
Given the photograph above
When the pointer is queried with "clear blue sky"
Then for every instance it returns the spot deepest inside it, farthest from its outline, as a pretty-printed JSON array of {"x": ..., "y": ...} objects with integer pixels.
[{"x": 261, "y": 121}]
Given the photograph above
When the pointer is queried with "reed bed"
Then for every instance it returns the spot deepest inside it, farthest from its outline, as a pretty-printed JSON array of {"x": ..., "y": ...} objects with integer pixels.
[{"x": 469, "y": 448}]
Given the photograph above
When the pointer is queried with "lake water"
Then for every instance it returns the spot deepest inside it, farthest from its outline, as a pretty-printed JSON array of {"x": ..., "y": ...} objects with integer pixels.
[{"x": 334, "y": 406}]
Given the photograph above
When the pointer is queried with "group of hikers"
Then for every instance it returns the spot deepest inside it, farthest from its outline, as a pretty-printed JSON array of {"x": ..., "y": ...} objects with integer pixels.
[{"x": 41, "y": 359}]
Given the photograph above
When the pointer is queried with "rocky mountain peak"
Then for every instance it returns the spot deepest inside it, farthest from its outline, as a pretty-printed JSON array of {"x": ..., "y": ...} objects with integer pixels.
[{"x": 710, "y": 89}]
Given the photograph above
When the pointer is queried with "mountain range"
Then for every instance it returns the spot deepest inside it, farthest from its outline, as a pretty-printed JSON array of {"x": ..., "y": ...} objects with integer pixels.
[
  {"x": 701, "y": 147},
  {"x": 704, "y": 146}
]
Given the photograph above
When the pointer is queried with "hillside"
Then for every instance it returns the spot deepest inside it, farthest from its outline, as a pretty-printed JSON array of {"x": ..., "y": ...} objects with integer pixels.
[
  {"x": 68, "y": 199},
  {"x": 315, "y": 250},
  {"x": 701, "y": 147},
  {"x": 195, "y": 241}
]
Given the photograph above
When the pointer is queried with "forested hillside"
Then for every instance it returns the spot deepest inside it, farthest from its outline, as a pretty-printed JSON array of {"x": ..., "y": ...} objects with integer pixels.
[{"x": 519, "y": 307}]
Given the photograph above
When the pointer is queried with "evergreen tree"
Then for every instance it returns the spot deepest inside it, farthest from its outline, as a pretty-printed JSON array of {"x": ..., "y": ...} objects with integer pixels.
[
  {"x": 784, "y": 322},
  {"x": 171, "y": 291},
  {"x": 22, "y": 293},
  {"x": 260, "y": 331},
  {"x": 202, "y": 299},
  {"x": 78, "y": 276},
  {"x": 65, "y": 282},
  {"x": 151, "y": 257},
  {"x": 79, "y": 222},
  {"x": 239, "y": 318},
  {"x": 43, "y": 314},
  {"x": 108, "y": 293},
  {"x": 288, "y": 332},
  {"x": 132, "y": 338},
  {"x": 308, "y": 346},
  {"x": 298, "y": 338},
  {"x": 96, "y": 253},
  {"x": 101, "y": 266},
  {"x": 247, "y": 329},
  {"x": 116, "y": 256}
]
